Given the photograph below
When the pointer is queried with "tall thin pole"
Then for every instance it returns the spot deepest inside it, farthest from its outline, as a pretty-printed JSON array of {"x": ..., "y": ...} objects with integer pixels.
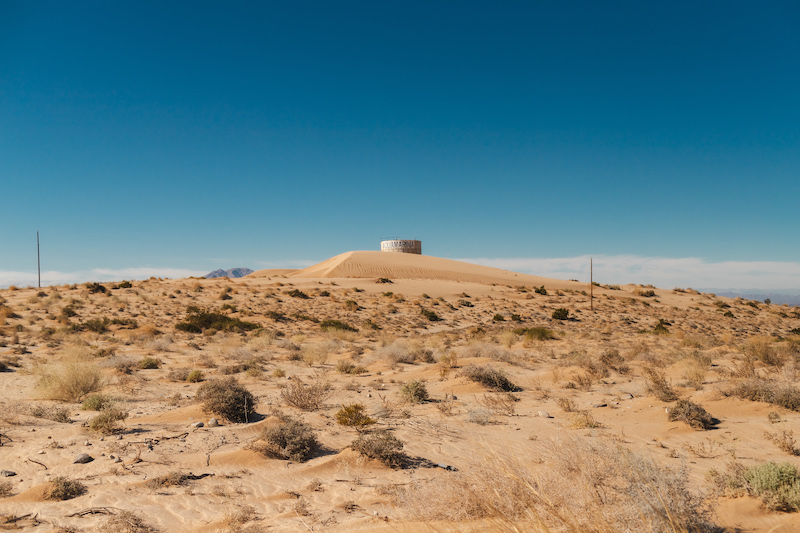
[
  {"x": 591, "y": 285},
  {"x": 38, "y": 260}
]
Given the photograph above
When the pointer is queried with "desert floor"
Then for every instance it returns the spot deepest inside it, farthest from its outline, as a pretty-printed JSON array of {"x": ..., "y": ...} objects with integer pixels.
[{"x": 583, "y": 443}]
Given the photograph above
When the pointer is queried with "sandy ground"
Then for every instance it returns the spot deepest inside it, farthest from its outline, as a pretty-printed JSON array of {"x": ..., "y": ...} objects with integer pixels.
[{"x": 237, "y": 488}]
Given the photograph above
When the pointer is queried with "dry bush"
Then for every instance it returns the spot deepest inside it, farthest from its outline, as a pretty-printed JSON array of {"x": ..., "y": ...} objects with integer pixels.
[
  {"x": 487, "y": 376},
  {"x": 380, "y": 445},
  {"x": 307, "y": 397},
  {"x": 583, "y": 420},
  {"x": 414, "y": 391},
  {"x": 762, "y": 390},
  {"x": 502, "y": 403},
  {"x": 126, "y": 522},
  {"x": 349, "y": 367},
  {"x": 691, "y": 413},
  {"x": 396, "y": 353},
  {"x": 761, "y": 349},
  {"x": 567, "y": 405},
  {"x": 318, "y": 353},
  {"x": 227, "y": 398},
  {"x": 70, "y": 381},
  {"x": 587, "y": 486},
  {"x": 6, "y": 487},
  {"x": 354, "y": 415},
  {"x": 107, "y": 421},
  {"x": 56, "y": 414},
  {"x": 658, "y": 386},
  {"x": 777, "y": 485},
  {"x": 492, "y": 351},
  {"x": 695, "y": 375},
  {"x": 784, "y": 440},
  {"x": 64, "y": 488},
  {"x": 173, "y": 479},
  {"x": 290, "y": 439}
]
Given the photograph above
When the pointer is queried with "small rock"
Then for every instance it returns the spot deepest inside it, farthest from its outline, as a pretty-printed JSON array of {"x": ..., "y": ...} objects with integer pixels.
[
  {"x": 7, "y": 473},
  {"x": 196, "y": 425},
  {"x": 596, "y": 405},
  {"x": 543, "y": 414},
  {"x": 87, "y": 443},
  {"x": 117, "y": 460},
  {"x": 83, "y": 459},
  {"x": 626, "y": 397},
  {"x": 41, "y": 452},
  {"x": 213, "y": 423}
]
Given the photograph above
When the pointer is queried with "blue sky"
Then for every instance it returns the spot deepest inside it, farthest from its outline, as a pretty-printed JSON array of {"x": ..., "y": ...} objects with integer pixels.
[{"x": 154, "y": 137}]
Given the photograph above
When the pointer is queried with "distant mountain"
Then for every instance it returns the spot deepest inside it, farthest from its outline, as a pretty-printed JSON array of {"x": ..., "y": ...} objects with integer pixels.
[
  {"x": 239, "y": 272},
  {"x": 777, "y": 296}
]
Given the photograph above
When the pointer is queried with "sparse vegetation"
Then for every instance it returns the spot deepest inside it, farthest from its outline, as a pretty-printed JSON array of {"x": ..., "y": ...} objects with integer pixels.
[
  {"x": 64, "y": 488},
  {"x": 227, "y": 398},
  {"x": 335, "y": 325},
  {"x": 354, "y": 415},
  {"x": 381, "y": 445},
  {"x": 560, "y": 314},
  {"x": 289, "y": 439},
  {"x": 691, "y": 413},
  {"x": 414, "y": 391},
  {"x": 198, "y": 320},
  {"x": 492, "y": 378}
]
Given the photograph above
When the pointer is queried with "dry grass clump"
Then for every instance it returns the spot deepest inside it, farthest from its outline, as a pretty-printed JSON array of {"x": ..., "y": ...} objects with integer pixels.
[
  {"x": 762, "y": 390},
  {"x": 173, "y": 479},
  {"x": 126, "y": 522},
  {"x": 784, "y": 440},
  {"x": 6, "y": 488},
  {"x": 354, "y": 415},
  {"x": 349, "y": 367},
  {"x": 306, "y": 396},
  {"x": 381, "y": 445},
  {"x": 658, "y": 386},
  {"x": 761, "y": 349},
  {"x": 492, "y": 378},
  {"x": 70, "y": 381},
  {"x": 64, "y": 488},
  {"x": 290, "y": 439},
  {"x": 587, "y": 486},
  {"x": 492, "y": 351},
  {"x": 396, "y": 353},
  {"x": 56, "y": 414},
  {"x": 227, "y": 398},
  {"x": 691, "y": 413},
  {"x": 107, "y": 421}
]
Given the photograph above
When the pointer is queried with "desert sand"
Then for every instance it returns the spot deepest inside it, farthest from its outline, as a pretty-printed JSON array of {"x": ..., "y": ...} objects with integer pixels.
[{"x": 418, "y": 320}]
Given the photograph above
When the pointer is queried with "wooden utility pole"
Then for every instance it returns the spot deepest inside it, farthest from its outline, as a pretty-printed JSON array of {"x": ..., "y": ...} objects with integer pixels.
[
  {"x": 591, "y": 285},
  {"x": 38, "y": 260}
]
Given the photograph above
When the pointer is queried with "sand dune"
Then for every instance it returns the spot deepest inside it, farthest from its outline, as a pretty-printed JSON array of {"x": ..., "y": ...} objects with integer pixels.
[{"x": 371, "y": 264}]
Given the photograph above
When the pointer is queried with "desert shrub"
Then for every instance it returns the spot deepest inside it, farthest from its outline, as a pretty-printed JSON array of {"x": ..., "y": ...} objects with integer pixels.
[
  {"x": 761, "y": 349},
  {"x": 70, "y": 381},
  {"x": 94, "y": 288},
  {"x": 351, "y": 305},
  {"x": 560, "y": 314},
  {"x": 335, "y": 325},
  {"x": 125, "y": 285},
  {"x": 691, "y": 413},
  {"x": 349, "y": 367},
  {"x": 290, "y": 439},
  {"x": 56, "y": 414},
  {"x": 227, "y": 398},
  {"x": 96, "y": 402},
  {"x": 784, "y": 440},
  {"x": 492, "y": 378},
  {"x": 173, "y": 479},
  {"x": 498, "y": 318},
  {"x": 98, "y": 325},
  {"x": 354, "y": 415},
  {"x": 64, "y": 488},
  {"x": 195, "y": 376},
  {"x": 106, "y": 421},
  {"x": 380, "y": 445},
  {"x": 383, "y": 280},
  {"x": 647, "y": 294},
  {"x": 588, "y": 485},
  {"x": 396, "y": 353},
  {"x": 480, "y": 416},
  {"x": 178, "y": 374},
  {"x": 761, "y": 390},
  {"x": 540, "y": 290},
  {"x": 658, "y": 386},
  {"x": 297, "y": 293},
  {"x": 198, "y": 320},
  {"x": 126, "y": 522},
  {"x": 538, "y": 334},
  {"x": 776, "y": 484},
  {"x": 307, "y": 397},
  {"x": 583, "y": 420},
  {"x": 414, "y": 391},
  {"x": 661, "y": 327},
  {"x": 5, "y": 489},
  {"x": 149, "y": 363},
  {"x": 430, "y": 315}
]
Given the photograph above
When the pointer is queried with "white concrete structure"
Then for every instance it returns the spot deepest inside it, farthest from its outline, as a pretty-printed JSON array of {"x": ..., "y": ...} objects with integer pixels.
[{"x": 404, "y": 246}]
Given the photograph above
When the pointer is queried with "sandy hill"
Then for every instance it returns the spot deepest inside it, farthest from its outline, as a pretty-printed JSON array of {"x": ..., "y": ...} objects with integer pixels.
[{"x": 372, "y": 264}]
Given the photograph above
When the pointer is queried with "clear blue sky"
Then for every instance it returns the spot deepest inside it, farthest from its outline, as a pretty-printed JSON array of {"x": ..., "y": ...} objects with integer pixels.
[{"x": 198, "y": 135}]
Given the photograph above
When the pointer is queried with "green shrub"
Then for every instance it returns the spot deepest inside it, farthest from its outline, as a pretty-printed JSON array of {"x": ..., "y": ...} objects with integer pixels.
[
  {"x": 498, "y": 318},
  {"x": 492, "y": 378},
  {"x": 199, "y": 320},
  {"x": 560, "y": 314},
  {"x": 94, "y": 288},
  {"x": 228, "y": 399},
  {"x": 354, "y": 415},
  {"x": 540, "y": 290},
  {"x": 661, "y": 327},
  {"x": 414, "y": 391},
  {"x": 383, "y": 280},
  {"x": 195, "y": 376},
  {"x": 776, "y": 484},
  {"x": 96, "y": 402},
  {"x": 380, "y": 445},
  {"x": 691, "y": 413},
  {"x": 291, "y": 439},
  {"x": 149, "y": 363},
  {"x": 335, "y": 325},
  {"x": 125, "y": 285}
]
